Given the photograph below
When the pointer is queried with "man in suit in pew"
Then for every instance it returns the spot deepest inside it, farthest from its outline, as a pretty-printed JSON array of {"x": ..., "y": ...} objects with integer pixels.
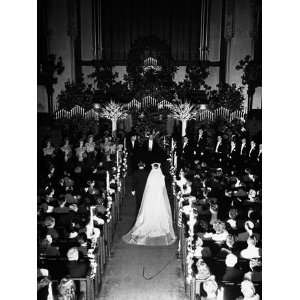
[
  {"x": 232, "y": 273},
  {"x": 139, "y": 180},
  {"x": 76, "y": 268}
]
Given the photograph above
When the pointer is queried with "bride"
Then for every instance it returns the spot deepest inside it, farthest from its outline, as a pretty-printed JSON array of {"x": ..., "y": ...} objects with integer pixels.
[{"x": 153, "y": 226}]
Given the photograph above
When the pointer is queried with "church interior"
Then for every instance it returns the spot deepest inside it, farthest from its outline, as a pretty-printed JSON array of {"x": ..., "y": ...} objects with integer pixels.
[{"x": 125, "y": 85}]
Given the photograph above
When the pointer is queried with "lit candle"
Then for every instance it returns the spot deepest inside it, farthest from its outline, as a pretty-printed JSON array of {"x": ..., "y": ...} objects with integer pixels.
[
  {"x": 107, "y": 181},
  {"x": 91, "y": 217},
  {"x": 117, "y": 157}
]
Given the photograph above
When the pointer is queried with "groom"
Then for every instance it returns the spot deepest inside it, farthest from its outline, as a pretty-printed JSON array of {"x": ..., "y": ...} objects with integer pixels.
[{"x": 139, "y": 180}]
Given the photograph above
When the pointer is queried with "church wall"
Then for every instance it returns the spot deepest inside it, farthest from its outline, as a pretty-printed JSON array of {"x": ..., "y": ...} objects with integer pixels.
[
  {"x": 42, "y": 99},
  {"x": 86, "y": 30},
  {"x": 241, "y": 42},
  {"x": 59, "y": 41}
]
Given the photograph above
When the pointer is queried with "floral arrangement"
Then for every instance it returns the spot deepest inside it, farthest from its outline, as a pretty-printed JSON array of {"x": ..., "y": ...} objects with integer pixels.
[
  {"x": 114, "y": 112},
  {"x": 183, "y": 112}
]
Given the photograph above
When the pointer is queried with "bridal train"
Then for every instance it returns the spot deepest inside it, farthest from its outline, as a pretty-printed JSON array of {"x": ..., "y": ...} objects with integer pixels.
[{"x": 153, "y": 226}]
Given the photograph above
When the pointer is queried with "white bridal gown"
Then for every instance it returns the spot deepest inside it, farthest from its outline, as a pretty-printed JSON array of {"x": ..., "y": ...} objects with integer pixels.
[{"x": 153, "y": 226}]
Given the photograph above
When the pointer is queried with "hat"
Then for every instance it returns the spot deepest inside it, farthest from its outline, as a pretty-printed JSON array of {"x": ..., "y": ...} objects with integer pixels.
[
  {"x": 49, "y": 221},
  {"x": 72, "y": 254},
  {"x": 249, "y": 224},
  {"x": 231, "y": 260},
  {"x": 42, "y": 273}
]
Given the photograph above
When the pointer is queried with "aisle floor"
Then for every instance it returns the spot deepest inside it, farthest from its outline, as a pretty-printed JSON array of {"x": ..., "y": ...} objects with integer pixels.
[{"x": 123, "y": 277}]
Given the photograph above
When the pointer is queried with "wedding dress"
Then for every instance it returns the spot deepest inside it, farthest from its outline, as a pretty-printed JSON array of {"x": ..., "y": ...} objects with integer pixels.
[{"x": 153, "y": 226}]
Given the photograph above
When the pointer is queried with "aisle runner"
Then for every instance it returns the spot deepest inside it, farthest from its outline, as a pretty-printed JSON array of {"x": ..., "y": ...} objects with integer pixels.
[{"x": 124, "y": 274}]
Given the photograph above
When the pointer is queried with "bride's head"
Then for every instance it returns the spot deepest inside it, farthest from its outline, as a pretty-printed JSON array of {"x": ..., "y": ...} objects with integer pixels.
[{"x": 156, "y": 165}]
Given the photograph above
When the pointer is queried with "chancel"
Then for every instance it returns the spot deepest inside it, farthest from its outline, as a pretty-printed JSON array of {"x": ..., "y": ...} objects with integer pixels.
[{"x": 149, "y": 149}]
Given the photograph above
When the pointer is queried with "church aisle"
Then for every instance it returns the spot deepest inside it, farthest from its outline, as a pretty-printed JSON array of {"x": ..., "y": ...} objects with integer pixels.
[{"x": 123, "y": 279}]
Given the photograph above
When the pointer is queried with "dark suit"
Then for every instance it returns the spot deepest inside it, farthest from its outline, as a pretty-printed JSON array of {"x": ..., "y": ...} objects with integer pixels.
[
  {"x": 232, "y": 274},
  {"x": 200, "y": 146},
  {"x": 232, "y": 155},
  {"x": 252, "y": 155},
  {"x": 151, "y": 155},
  {"x": 219, "y": 154},
  {"x": 77, "y": 269},
  {"x": 133, "y": 149},
  {"x": 139, "y": 180}
]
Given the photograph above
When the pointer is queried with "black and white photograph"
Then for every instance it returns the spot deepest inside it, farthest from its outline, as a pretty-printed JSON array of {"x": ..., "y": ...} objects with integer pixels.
[
  {"x": 149, "y": 149},
  {"x": 146, "y": 173}
]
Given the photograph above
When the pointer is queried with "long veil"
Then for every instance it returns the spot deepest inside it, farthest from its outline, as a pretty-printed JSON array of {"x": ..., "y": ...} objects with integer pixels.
[{"x": 153, "y": 226}]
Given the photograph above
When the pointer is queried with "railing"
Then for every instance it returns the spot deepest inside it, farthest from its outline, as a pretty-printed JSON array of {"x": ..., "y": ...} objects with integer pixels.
[{"x": 149, "y": 101}]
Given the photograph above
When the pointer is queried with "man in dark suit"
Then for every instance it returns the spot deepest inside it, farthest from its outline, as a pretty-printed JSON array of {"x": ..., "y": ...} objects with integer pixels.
[
  {"x": 200, "y": 145},
  {"x": 185, "y": 153},
  {"x": 232, "y": 155},
  {"x": 133, "y": 152},
  {"x": 139, "y": 180},
  {"x": 243, "y": 151},
  {"x": 151, "y": 151},
  {"x": 219, "y": 151},
  {"x": 76, "y": 268},
  {"x": 252, "y": 154},
  {"x": 231, "y": 273}
]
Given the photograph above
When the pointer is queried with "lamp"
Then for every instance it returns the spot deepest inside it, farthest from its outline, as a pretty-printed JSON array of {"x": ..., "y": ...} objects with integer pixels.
[{"x": 96, "y": 106}]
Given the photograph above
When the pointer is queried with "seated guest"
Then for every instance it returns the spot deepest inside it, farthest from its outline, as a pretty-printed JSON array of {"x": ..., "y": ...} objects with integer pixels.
[
  {"x": 182, "y": 180},
  {"x": 76, "y": 268},
  {"x": 201, "y": 251},
  {"x": 66, "y": 289},
  {"x": 214, "y": 209},
  {"x": 232, "y": 221},
  {"x": 46, "y": 247},
  {"x": 252, "y": 196},
  {"x": 49, "y": 150},
  {"x": 248, "y": 291},
  {"x": 254, "y": 274},
  {"x": 61, "y": 209},
  {"x": 203, "y": 271},
  {"x": 232, "y": 273},
  {"x": 82, "y": 240},
  {"x": 228, "y": 247},
  {"x": 210, "y": 287},
  {"x": 249, "y": 226},
  {"x": 251, "y": 251},
  {"x": 220, "y": 234},
  {"x": 49, "y": 223},
  {"x": 91, "y": 190},
  {"x": 44, "y": 285}
]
